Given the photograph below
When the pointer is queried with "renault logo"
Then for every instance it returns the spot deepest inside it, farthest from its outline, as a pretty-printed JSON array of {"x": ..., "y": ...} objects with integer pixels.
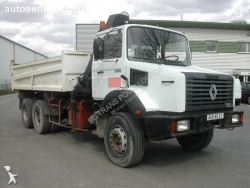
[{"x": 213, "y": 92}]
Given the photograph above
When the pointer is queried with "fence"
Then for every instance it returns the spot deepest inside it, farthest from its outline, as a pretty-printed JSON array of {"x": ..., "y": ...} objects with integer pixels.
[{"x": 5, "y": 84}]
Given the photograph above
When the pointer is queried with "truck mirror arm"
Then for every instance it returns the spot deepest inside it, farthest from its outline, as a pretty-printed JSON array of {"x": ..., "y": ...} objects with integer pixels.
[{"x": 126, "y": 79}]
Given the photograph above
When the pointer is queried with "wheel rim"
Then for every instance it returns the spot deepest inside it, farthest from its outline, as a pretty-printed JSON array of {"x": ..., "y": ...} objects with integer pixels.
[
  {"x": 25, "y": 114},
  {"x": 37, "y": 117},
  {"x": 118, "y": 140}
]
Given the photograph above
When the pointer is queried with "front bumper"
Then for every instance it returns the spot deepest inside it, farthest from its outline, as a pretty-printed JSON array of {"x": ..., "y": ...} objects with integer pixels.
[{"x": 162, "y": 125}]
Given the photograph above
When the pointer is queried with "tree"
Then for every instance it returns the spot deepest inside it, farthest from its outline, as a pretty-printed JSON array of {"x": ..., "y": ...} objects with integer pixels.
[{"x": 239, "y": 21}]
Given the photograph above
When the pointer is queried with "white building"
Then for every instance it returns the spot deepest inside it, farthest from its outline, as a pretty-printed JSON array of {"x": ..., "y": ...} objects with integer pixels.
[
  {"x": 10, "y": 50},
  {"x": 223, "y": 47}
]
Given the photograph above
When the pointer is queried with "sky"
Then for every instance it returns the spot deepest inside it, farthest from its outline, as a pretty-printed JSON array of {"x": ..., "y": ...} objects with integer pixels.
[{"x": 48, "y": 26}]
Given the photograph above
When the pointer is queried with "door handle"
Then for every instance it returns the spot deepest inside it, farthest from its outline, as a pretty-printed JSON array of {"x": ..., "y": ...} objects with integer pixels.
[
  {"x": 99, "y": 72},
  {"x": 170, "y": 82}
]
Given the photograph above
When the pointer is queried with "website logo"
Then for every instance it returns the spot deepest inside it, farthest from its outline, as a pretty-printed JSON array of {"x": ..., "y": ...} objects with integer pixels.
[{"x": 12, "y": 176}]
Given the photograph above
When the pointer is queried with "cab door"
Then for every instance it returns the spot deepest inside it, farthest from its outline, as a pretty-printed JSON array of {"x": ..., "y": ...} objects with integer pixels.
[{"x": 109, "y": 69}]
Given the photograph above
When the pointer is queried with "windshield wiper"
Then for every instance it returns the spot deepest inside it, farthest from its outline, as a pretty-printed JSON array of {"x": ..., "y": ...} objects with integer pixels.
[{"x": 177, "y": 57}]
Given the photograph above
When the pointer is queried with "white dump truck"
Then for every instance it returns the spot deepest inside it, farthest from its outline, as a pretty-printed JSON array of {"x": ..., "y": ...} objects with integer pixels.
[{"x": 137, "y": 85}]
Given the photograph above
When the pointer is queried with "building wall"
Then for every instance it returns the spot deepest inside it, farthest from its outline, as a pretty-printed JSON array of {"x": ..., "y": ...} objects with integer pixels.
[
  {"x": 201, "y": 34},
  {"x": 6, "y": 55},
  {"x": 85, "y": 35},
  {"x": 39, "y": 57},
  {"x": 10, "y": 50},
  {"x": 223, "y": 62},
  {"x": 23, "y": 55}
]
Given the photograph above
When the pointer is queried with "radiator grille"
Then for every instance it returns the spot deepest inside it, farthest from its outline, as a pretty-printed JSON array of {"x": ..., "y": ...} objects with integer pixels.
[{"x": 198, "y": 92}]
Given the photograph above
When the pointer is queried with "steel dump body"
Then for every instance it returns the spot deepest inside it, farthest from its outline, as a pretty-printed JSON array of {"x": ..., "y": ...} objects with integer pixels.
[{"x": 51, "y": 74}]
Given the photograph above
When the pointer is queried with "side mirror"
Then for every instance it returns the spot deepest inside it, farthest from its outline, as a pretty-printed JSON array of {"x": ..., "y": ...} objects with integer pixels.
[{"x": 98, "y": 48}]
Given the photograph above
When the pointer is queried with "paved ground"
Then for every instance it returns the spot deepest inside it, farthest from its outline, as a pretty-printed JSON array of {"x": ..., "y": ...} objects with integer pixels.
[{"x": 65, "y": 160}]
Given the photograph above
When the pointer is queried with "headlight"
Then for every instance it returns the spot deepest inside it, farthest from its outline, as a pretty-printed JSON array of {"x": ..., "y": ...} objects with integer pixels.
[
  {"x": 183, "y": 125},
  {"x": 235, "y": 118}
]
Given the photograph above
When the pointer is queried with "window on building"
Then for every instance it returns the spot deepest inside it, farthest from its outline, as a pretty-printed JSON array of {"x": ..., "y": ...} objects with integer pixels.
[
  {"x": 243, "y": 47},
  {"x": 112, "y": 46},
  {"x": 211, "y": 46}
]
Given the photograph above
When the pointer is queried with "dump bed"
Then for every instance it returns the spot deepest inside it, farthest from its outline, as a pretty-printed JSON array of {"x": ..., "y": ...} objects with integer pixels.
[{"x": 51, "y": 74}]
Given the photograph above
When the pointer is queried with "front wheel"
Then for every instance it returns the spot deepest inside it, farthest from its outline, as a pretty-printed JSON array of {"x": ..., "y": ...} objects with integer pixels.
[
  {"x": 124, "y": 140},
  {"x": 196, "y": 141}
]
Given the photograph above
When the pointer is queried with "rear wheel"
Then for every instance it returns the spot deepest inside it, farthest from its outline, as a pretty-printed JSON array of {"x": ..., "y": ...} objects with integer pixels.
[
  {"x": 40, "y": 119},
  {"x": 196, "y": 141},
  {"x": 26, "y": 110},
  {"x": 124, "y": 140}
]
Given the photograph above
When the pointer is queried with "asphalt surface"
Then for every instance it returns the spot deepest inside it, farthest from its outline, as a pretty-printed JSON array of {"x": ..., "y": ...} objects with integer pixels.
[{"x": 74, "y": 160}]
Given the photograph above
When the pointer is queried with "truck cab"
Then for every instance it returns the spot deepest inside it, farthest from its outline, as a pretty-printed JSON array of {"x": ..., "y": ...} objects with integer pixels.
[{"x": 146, "y": 71}]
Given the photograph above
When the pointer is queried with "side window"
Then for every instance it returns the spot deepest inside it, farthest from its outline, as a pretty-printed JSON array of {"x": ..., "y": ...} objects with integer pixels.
[
  {"x": 112, "y": 46},
  {"x": 211, "y": 46},
  {"x": 243, "y": 47}
]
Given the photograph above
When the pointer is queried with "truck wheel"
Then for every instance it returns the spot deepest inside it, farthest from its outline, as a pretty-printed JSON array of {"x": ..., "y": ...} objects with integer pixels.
[
  {"x": 40, "y": 119},
  {"x": 26, "y": 110},
  {"x": 197, "y": 141},
  {"x": 124, "y": 140},
  {"x": 54, "y": 128}
]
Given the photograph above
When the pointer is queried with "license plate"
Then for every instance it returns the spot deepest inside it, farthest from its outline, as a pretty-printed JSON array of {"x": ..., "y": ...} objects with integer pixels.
[{"x": 215, "y": 116}]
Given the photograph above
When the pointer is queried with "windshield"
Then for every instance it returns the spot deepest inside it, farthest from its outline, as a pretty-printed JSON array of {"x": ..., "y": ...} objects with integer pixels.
[{"x": 159, "y": 46}]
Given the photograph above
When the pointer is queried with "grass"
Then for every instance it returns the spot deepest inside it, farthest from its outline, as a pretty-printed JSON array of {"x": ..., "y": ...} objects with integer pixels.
[{"x": 7, "y": 92}]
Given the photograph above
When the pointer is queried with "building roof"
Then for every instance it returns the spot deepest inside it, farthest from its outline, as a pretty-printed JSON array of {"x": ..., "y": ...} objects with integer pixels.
[
  {"x": 192, "y": 24},
  {"x": 1, "y": 36}
]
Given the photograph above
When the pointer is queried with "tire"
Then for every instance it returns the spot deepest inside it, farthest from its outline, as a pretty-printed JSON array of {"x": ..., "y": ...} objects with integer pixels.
[
  {"x": 130, "y": 150},
  {"x": 248, "y": 100},
  {"x": 26, "y": 110},
  {"x": 40, "y": 119},
  {"x": 54, "y": 128},
  {"x": 197, "y": 141}
]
